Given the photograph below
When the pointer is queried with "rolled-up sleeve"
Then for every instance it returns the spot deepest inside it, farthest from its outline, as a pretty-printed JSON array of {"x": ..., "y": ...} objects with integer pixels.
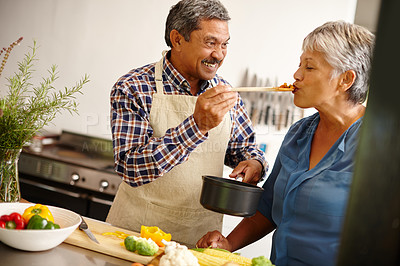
[{"x": 139, "y": 157}]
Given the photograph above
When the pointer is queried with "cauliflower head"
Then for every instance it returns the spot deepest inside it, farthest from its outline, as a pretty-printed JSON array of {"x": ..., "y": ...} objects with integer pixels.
[{"x": 177, "y": 255}]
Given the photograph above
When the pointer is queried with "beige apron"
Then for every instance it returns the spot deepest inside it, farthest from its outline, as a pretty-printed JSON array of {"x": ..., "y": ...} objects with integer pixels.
[{"x": 172, "y": 202}]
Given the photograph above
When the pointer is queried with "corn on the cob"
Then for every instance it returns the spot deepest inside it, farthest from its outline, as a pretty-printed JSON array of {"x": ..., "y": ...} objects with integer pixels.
[
  {"x": 208, "y": 260},
  {"x": 228, "y": 256}
]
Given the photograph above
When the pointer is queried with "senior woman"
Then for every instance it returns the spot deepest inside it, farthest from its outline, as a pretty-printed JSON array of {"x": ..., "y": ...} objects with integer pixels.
[{"x": 305, "y": 196}]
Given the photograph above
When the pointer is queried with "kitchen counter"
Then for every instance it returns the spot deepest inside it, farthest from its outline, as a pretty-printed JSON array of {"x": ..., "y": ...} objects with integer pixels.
[
  {"x": 66, "y": 254},
  {"x": 62, "y": 255}
]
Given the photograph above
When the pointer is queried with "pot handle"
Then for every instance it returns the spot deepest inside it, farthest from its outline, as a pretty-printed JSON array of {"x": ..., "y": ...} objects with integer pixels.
[{"x": 239, "y": 178}]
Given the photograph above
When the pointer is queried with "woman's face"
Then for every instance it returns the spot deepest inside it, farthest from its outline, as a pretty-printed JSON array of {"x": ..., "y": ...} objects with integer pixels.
[{"x": 314, "y": 85}]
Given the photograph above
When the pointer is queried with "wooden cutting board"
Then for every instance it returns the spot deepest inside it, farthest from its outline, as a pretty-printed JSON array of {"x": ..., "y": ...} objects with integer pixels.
[{"x": 109, "y": 244}]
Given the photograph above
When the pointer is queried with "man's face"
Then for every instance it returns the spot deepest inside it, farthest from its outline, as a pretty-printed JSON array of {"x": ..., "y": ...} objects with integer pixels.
[{"x": 201, "y": 57}]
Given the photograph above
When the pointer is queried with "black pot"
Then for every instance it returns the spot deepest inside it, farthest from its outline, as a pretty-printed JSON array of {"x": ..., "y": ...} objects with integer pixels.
[{"x": 229, "y": 196}]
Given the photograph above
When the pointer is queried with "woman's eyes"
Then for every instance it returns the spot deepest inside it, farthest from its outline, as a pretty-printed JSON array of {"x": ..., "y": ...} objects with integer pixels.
[{"x": 307, "y": 67}]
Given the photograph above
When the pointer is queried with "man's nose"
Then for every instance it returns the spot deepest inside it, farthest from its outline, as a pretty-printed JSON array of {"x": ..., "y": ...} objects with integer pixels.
[{"x": 218, "y": 53}]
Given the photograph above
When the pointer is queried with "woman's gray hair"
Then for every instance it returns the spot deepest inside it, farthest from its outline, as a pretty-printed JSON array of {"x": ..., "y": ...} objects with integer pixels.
[
  {"x": 186, "y": 15},
  {"x": 346, "y": 46}
]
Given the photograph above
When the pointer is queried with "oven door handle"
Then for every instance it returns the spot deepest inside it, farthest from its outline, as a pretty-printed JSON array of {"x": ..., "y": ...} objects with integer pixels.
[
  {"x": 101, "y": 201},
  {"x": 55, "y": 189}
]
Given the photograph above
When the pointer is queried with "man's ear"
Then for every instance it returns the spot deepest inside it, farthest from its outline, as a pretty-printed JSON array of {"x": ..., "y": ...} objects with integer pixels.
[
  {"x": 176, "y": 39},
  {"x": 348, "y": 79}
]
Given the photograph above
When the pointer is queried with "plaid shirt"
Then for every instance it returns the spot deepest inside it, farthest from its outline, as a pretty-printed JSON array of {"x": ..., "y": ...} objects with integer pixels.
[{"x": 139, "y": 157}]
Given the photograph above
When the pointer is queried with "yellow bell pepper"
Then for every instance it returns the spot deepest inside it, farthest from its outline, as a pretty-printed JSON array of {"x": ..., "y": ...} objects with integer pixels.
[
  {"x": 155, "y": 233},
  {"x": 39, "y": 209}
]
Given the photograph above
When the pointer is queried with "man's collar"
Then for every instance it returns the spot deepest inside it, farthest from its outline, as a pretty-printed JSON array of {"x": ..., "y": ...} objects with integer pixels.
[{"x": 177, "y": 78}]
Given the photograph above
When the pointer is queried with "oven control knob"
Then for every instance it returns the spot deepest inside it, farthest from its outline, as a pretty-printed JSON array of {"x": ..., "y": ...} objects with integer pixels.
[
  {"x": 103, "y": 185},
  {"x": 74, "y": 178}
]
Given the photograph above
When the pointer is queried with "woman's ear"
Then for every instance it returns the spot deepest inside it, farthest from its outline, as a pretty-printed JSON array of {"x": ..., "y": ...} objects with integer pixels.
[
  {"x": 348, "y": 79},
  {"x": 176, "y": 39}
]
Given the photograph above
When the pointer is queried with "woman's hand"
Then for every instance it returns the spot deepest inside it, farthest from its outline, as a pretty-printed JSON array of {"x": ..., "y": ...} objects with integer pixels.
[
  {"x": 249, "y": 230},
  {"x": 214, "y": 239}
]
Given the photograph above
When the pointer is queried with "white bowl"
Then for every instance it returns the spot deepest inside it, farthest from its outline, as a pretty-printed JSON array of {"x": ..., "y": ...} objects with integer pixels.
[{"x": 38, "y": 240}]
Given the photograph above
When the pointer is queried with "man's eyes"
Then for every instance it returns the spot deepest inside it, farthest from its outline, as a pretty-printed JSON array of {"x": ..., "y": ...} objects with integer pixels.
[{"x": 213, "y": 44}]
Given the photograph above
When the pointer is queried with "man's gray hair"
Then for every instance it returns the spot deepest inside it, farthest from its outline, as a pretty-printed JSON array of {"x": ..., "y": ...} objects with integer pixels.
[
  {"x": 346, "y": 46},
  {"x": 186, "y": 15}
]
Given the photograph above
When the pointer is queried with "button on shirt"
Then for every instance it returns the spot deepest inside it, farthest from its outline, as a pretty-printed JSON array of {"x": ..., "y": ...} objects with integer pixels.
[
  {"x": 139, "y": 157},
  {"x": 308, "y": 206}
]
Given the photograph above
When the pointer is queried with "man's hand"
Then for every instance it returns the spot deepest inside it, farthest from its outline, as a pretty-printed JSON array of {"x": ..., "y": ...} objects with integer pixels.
[
  {"x": 250, "y": 170},
  {"x": 212, "y": 105}
]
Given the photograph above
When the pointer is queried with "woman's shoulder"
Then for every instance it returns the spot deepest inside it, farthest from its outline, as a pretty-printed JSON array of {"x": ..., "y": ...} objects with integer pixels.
[
  {"x": 304, "y": 124},
  {"x": 299, "y": 131}
]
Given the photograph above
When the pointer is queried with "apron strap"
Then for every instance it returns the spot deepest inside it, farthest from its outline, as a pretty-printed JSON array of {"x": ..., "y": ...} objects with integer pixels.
[{"x": 158, "y": 74}]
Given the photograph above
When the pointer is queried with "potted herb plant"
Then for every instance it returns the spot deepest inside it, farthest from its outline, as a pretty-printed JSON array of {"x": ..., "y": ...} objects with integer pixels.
[{"x": 24, "y": 110}]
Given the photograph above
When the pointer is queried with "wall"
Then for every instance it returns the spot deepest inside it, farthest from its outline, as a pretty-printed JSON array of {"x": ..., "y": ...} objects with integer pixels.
[{"x": 106, "y": 39}]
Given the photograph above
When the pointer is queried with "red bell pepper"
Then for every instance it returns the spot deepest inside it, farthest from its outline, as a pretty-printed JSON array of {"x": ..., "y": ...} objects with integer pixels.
[{"x": 12, "y": 221}]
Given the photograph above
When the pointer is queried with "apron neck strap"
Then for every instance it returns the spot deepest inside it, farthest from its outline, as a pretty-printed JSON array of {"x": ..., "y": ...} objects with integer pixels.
[{"x": 158, "y": 74}]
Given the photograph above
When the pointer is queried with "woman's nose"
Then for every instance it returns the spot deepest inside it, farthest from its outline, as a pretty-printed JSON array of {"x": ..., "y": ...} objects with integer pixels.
[{"x": 297, "y": 75}]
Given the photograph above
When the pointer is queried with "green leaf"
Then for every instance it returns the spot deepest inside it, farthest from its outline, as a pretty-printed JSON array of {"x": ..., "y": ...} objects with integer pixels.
[{"x": 28, "y": 108}]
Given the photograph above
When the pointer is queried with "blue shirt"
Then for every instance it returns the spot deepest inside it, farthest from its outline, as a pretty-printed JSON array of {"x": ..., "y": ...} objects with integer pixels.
[{"x": 308, "y": 206}]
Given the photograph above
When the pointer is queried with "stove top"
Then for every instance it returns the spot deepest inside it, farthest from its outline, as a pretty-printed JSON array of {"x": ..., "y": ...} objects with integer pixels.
[{"x": 74, "y": 159}]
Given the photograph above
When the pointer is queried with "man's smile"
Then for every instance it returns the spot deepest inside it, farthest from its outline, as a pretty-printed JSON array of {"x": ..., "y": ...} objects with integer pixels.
[{"x": 213, "y": 64}]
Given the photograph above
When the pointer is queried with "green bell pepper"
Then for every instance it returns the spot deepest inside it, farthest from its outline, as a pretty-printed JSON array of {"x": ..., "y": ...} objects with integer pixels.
[{"x": 38, "y": 222}]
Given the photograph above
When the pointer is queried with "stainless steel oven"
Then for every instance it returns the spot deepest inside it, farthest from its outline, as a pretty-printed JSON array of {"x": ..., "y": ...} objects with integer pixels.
[{"x": 76, "y": 173}]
